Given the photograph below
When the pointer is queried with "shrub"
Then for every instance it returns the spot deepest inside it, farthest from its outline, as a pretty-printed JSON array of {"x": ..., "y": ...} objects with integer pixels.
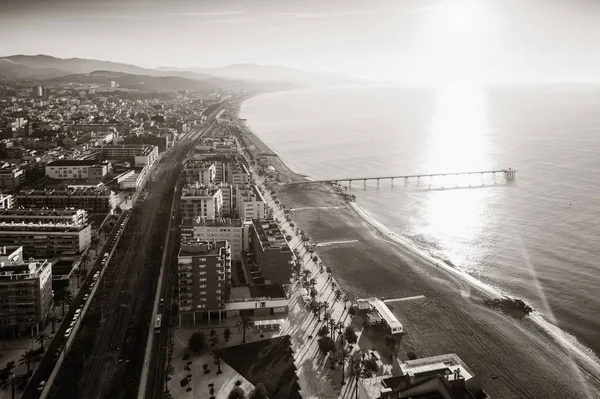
[
  {"x": 236, "y": 393},
  {"x": 411, "y": 355},
  {"x": 323, "y": 331},
  {"x": 350, "y": 335},
  {"x": 196, "y": 342}
]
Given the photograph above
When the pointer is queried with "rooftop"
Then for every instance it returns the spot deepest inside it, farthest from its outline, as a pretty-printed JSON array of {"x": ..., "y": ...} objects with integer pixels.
[
  {"x": 74, "y": 162},
  {"x": 200, "y": 221},
  {"x": 195, "y": 247},
  {"x": 270, "y": 234},
  {"x": 254, "y": 292},
  {"x": 199, "y": 190},
  {"x": 21, "y": 271}
]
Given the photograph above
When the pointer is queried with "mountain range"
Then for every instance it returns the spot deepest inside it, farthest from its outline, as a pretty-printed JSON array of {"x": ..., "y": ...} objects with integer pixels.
[{"x": 45, "y": 69}]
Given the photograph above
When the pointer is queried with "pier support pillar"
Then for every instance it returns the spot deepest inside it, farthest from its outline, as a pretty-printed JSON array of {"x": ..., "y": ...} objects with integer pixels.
[
  {"x": 350, "y": 183},
  {"x": 365, "y": 183},
  {"x": 392, "y": 182},
  {"x": 377, "y": 182}
]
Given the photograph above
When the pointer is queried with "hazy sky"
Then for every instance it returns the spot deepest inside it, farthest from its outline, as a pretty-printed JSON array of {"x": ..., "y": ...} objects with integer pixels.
[{"x": 400, "y": 39}]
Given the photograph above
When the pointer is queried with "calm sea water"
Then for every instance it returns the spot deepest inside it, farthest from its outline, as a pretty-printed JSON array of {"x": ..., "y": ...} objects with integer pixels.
[{"x": 537, "y": 237}]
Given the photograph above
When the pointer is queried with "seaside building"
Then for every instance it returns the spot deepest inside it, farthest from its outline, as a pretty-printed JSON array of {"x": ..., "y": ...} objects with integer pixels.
[
  {"x": 444, "y": 376},
  {"x": 25, "y": 293},
  {"x": 267, "y": 302},
  {"x": 234, "y": 231},
  {"x": 250, "y": 203},
  {"x": 204, "y": 276},
  {"x": 70, "y": 216},
  {"x": 43, "y": 240},
  {"x": 140, "y": 154},
  {"x": 11, "y": 177},
  {"x": 7, "y": 201},
  {"x": 199, "y": 171},
  {"x": 70, "y": 169},
  {"x": 92, "y": 199},
  {"x": 201, "y": 200},
  {"x": 271, "y": 251}
]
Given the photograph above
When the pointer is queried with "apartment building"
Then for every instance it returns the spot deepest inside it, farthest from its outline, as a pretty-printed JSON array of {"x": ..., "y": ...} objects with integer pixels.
[
  {"x": 69, "y": 216},
  {"x": 250, "y": 203},
  {"x": 204, "y": 276},
  {"x": 201, "y": 200},
  {"x": 271, "y": 251},
  {"x": 72, "y": 169},
  {"x": 11, "y": 177},
  {"x": 234, "y": 231},
  {"x": 7, "y": 201},
  {"x": 199, "y": 171},
  {"x": 25, "y": 294},
  {"x": 140, "y": 154},
  {"x": 92, "y": 199},
  {"x": 42, "y": 240}
]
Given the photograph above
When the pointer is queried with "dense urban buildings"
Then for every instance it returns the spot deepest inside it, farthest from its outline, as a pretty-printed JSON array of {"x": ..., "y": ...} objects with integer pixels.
[
  {"x": 250, "y": 203},
  {"x": 92, "y": 199},
  {"x": 74, "y": 169},
  {"x": 234, "y": 231},
  {"x": 139, "y": 154}
]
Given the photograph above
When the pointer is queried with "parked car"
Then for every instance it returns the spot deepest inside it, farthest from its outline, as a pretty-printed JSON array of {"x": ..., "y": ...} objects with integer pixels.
[
  {"x": 41, "y": 386},
  {"x": 68, "y": 332},
  {"x": 161, "y": 302},
  {"x": 86, "y": 296}
]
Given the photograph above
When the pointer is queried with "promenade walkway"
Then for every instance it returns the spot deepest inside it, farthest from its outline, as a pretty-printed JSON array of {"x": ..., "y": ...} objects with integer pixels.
[{"x": 316, "y": 378}]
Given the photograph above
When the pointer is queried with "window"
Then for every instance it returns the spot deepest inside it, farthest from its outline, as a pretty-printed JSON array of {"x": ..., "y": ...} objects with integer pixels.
[{"x": 202, "y": 279}]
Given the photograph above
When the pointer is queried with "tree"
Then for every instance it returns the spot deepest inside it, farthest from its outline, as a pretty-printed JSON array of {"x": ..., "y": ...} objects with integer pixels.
[
  {"x": 169, "y": 372},
  {"x": 52, "y": 319},
  {"x": 243, "y": 324},
  {"x": 338, "y": 294},
  {"x": 227, "y": 334},
  {"x": 390, "y": 342},
  {"x": 350, "y": 335},
  {"x": 41, "y": 339},
  {"x": 370, "y": 367},
  {"x": 326, "y": 345},
  {"x": 63, "y": 297},
  {"x": 85, "y": 258},
  {"x": 196, "y": 342},
  {"x": 236, "y": 393},
  {"x": 78, "y": 273},
  {"x": 323, "y": 331},
  {"x": 95, "y": 242},
  {"x": 352, "y": 311},
  {"x": 27, "y": 358},
  {"x": 259, "y": 392}
]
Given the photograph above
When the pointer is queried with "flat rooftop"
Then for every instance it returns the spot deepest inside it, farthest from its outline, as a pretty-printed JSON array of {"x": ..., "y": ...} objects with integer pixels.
[
  {"x": 256, "y": 291},
  {"x": 75, "y": 162},
  {"x": 197, "y": 247},
  {"x": 199, "y": 221}
]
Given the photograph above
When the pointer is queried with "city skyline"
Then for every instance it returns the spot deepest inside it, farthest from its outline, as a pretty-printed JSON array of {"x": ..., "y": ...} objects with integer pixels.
[{"x": 420, "y": 41}]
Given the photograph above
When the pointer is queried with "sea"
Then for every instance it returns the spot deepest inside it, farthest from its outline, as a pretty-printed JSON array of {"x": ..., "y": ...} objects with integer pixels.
[{"x": 536, "y": 237}]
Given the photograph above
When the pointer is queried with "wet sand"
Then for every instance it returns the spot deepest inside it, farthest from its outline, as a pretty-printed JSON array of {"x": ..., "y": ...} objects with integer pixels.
[{"x": 514, "y": 357}]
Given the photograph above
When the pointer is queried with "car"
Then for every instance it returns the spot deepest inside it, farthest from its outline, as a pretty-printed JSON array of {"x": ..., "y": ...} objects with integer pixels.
[
  {"x": 68, "y": 332},
  {"x": 106, "y": 254},
  {"x": 77, "y": 311},
  {"x": 73, "y": 322},
  {"x": 86, "y": 296},
  {"x": 172, "y": 217},
  {"x": 41, "y": 386},
  {"x": 91, "y": 286},
  {"x": 161, "y": 302}
]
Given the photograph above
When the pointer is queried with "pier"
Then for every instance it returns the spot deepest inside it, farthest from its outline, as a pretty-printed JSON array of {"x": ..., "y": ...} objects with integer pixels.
[{"x": 509, "y": 174}]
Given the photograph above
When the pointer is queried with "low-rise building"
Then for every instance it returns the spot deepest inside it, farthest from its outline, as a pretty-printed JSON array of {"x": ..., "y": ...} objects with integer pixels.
[
  {"x": 199, "y": 171},
  {"x": 250, "y": 203},
  {"x": 141, "y": 154},
  {"x": 25, "y": 294},
  {"x": 11, "y": 177},
  {"x": 43, "y": 240},
  {"x": 92, "y": 199},
  {"x": 267, "y": 302},
  {"x": 7, "y": 201},
  {"x": 234, "y": 231},
  {"x": 201, "y": 200},
  {"x": 271, "y": 251},
  {"x": 204, "y": 277},
  {"x": 70, "y": 216},
  {"x": 71, "y": 169}
]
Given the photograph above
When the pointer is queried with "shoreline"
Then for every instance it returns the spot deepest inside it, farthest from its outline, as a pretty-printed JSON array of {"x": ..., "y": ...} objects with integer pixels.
[{"x": 534, "y": 324}]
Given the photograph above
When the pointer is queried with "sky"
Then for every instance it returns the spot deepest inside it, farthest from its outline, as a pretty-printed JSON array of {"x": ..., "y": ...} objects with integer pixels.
[{"x": 407, "y": 40}]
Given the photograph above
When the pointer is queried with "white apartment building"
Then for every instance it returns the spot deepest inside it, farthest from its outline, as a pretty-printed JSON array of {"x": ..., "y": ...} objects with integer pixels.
[
  {"x": 234, "y": 231},
  {"x": 71, "y": 169},
  {"x": 201, "y": 200},
  {"x": 250, "y": 203}
]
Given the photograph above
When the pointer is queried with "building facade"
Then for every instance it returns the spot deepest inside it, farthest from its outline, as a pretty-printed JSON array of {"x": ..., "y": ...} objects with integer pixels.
[
  {"x": 141, "y": 154},
  {"x": 25, "y": 296},
  {"x": 93, "y": 200},
  {"x": 198, "y": 200},
  {"x": 46, "y": 239},
  {"x": 7, "y": 201},
  {"x": 234, "y": 231},
  {"x": 11, "y": 177},
  {"x": 204, "y": 276},
  {"x": 199, "y": 171},
  {"x": 271, "y": 251},
  {"x": 250, "y": 203},
  {"x": 70, "y": 216},
  {"x": 71, "y": 169}
]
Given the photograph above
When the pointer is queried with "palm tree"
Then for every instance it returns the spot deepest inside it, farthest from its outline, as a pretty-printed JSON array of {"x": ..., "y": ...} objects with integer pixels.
[
  {"x": 338, "y": 294},
  {"x": 53, "y": 319},
  {"x": 63, "y": 296},
  {"x": 169, "y": 371},
  {"x": 40, "y": 339},
  {"x": 85, "y": 258},
  {"x": 244, "y": 323},
  {"x": 78, "y": 273},
  {"x": 26, "y": 358},
  {"x": 94, "y": 242}
]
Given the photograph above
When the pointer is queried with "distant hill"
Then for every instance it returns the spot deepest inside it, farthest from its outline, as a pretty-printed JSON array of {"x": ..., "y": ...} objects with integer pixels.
[
  {"x": 266, "y": 73},
  {"x": 10, "y": 70},
  {"x": 139, "y": 82}
]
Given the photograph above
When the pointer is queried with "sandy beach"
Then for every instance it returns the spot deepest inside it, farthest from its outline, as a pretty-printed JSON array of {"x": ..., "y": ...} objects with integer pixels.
[{"x": 515, "y": 357}]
